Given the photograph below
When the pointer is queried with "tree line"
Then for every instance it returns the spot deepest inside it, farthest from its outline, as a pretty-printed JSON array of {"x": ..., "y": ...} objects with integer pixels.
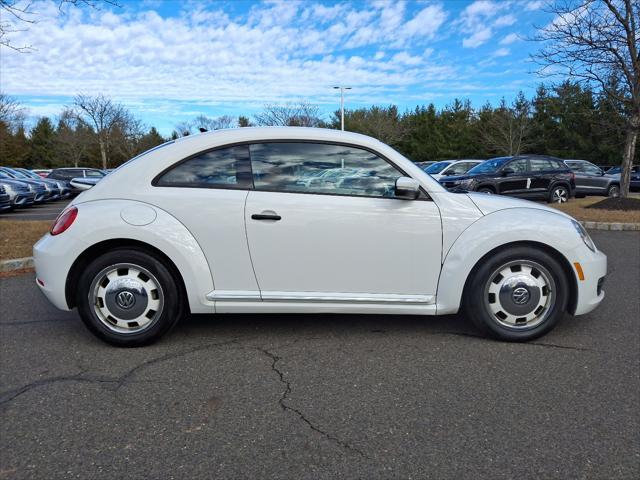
[{"x": 567, "y": 120}]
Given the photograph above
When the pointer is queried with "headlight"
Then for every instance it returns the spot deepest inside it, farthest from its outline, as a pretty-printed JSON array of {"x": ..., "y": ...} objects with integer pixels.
[
  {"x": 584, "y": 235},
  {"x": 9, "y": 188}
]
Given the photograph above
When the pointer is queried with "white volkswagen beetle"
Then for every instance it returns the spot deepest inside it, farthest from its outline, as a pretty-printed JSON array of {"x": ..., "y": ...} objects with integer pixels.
[{"x": 307, "y": 220}]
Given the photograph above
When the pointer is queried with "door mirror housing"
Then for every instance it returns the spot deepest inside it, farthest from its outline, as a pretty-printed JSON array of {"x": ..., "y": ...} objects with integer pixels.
[
  {"x": 407, "y": 188},
  {"x": 507, "y": 171}
]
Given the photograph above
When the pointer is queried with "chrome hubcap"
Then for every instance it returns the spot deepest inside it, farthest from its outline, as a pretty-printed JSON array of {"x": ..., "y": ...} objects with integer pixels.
[
  {"x": 126, "y": 298},
  {"x": 520, "y": 294},
  {"x": 560, "y": 195}
]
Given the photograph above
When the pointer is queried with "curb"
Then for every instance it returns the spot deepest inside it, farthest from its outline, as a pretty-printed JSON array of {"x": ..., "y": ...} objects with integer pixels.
[
  {"x": 27, "y": 262},
  {"x": 16, "y": 264},
  {"x": 611, "y": 226}
]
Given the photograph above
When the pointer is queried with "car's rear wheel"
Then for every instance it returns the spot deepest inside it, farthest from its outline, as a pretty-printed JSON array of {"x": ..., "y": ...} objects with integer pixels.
[
  {"x": 128, "y": 298},
  {"x": 517, "y": 295},
  {"x": 613, "y": 191},
  {"x": 559, "y": 194}
]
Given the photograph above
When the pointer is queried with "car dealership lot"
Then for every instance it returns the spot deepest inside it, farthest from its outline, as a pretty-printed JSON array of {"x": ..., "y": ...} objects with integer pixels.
[
  {"x": 286, "y": 396},
  {"x": 47, "y": 211}
]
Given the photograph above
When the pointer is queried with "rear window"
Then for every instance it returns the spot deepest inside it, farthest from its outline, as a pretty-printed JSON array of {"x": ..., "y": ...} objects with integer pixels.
[{"x": 222, "y": 168}]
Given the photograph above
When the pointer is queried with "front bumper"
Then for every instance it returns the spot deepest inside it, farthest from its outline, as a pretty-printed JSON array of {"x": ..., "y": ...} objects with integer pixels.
[
  {"x": 594, "y": 268},
  {"x": 23, "y": 199},
  {"x": 5, "y": 202}
]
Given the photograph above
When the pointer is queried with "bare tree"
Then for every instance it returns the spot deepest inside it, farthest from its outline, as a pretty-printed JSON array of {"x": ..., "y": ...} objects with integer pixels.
[
  {"x": 11, "y": 112},
  {"x": 74, "y": 136},
  {"x": 505, "y": 130},
  {"x": 16, "y": 13},
  {"x": 595, "y": 41},
  {"x": 104, "y": 116},
  {"x": 202, "y": 122},
  {"x": 291, "y": 114}
]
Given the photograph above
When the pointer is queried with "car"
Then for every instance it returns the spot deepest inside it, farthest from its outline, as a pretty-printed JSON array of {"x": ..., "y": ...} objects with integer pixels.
[
  {"x": 527, "y": 176},
  {"x": 449, "y": 168},
  {"x": 67, "y": 174},
  {"x": 42, "y": 172},
  {"x": 591, "y": 179},
  {"x": 65, "y": 192},
  {"x": 5, "y": 200},
  {"x": 424, "y": 165},
  {"x": 634, "y": 182},
  {"x": 39, "y": 191},
  {"x": 20, "y": 194},
  {"x": 228, "y": 222},
  {"x": 84, "y": 183},
  {"x": 44, "y": 191}
]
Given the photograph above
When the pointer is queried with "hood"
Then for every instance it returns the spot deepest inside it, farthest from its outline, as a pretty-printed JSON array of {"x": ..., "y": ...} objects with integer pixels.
[
  {"x": 13, "y": 182},
  {"x": 492, "y": 203}
]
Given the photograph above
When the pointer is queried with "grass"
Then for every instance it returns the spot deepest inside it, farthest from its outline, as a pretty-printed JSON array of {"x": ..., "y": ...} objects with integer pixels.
[
  {"x": 18, "y": 236},
  {"x": 576, "y": 208}
]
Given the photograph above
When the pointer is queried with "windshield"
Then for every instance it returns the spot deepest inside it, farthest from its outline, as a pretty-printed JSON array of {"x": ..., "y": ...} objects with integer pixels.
[
  {"x": 30, "y": 174},
  {"x": 489, "y": 166},
  {"x": 437, "y": 167},
  {"x": 18, "y": 173},
  {"x": 95, "y": 173}
]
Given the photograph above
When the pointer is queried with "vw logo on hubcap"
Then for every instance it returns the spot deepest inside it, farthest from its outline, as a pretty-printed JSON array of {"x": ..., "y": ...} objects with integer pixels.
[
  {"x": 520, "y": 296},
  {"x": 125, "y": 299}
]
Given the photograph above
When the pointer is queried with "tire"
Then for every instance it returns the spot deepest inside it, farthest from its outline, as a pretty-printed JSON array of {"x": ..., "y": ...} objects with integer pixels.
[
  {"x": 613, "y": 191},
  {"x": 486, "y": 190},
  {"x": 558, "y": 194},
  {"x": 497, "y": 308},
  {"x": 128, "y": 298}
]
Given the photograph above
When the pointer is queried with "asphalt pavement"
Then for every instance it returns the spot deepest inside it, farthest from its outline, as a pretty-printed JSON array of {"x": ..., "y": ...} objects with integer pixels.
[
  {"x": 46, "y": 211},
  {"x": 310, "y": 396}
]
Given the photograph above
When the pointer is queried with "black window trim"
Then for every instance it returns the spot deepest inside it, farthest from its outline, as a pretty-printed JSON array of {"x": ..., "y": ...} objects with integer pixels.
[{"x": 423, "y": 196}]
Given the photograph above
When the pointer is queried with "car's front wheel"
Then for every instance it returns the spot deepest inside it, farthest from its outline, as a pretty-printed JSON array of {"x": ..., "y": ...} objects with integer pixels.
[
  {"x": 128, "y": 298},
  {"x": 613, "y": 191},
  {"x": 517, "y": 295}
]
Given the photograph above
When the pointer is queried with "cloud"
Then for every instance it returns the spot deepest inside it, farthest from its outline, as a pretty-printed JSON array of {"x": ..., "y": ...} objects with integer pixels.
[
  {"x": 534, "y": 5},
  {"x": 478, "y": 38},
  {"x": 501, "y": 52},
  {"x": 509, "y": 39},
  {"x": 504, "y": 21}
]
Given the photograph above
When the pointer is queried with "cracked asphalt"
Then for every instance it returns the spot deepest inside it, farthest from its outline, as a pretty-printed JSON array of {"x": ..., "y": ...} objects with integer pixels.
[{"x": 343, "y": 396}]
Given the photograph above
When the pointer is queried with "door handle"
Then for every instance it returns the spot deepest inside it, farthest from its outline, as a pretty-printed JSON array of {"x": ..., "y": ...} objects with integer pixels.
[{"x": 266, "y": 216}]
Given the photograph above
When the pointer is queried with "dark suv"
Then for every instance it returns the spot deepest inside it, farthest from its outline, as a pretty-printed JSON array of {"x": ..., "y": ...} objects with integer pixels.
[
  {"x": 68, "y": 174},
  {"x": 528, "y": 176},
  {"x": 591, "y": 180}
]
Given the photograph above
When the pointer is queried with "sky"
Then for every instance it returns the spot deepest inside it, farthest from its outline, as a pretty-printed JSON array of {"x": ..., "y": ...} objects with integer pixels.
[{"x": 169, "y": 61}]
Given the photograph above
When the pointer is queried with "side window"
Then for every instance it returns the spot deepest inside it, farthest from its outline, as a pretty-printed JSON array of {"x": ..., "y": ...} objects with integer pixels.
[
  {"x": 591, "y": 169},
  {"x": 518, "y": 166},
  {"x": 459, "y": 168},
  {"x": 576, "y": 166},
  {"x": 222, "y": 168},
  {"x": 540, "y": 165},
  {"x": 321, "y": 168}
]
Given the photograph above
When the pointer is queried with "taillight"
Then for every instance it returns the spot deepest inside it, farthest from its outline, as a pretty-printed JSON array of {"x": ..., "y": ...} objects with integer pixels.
[{"x": 64, "y": 221}]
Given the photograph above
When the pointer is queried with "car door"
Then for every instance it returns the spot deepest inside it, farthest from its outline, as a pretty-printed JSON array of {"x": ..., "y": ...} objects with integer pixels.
[
  {"x": 206, "y": 193},
  {"x": 515, "y": 182},
  {"x": 594, "y": 180},
  {"x": 540, "y": 176},
  {"x": 323, "y": 225}
]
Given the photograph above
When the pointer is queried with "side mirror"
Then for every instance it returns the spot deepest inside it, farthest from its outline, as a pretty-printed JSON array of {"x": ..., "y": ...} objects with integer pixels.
[
  {"x": 507, "y": 171},
  {"x": 407, "y": 188}
]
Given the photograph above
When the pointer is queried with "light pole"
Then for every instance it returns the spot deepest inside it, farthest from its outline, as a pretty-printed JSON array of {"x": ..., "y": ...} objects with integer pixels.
[{"x": 342, "y": 89}]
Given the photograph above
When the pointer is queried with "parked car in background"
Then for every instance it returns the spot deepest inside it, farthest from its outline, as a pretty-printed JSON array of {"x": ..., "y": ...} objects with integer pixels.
[
  {"x": 38, "y": 189},
  {"x": 65, "y": 192},
  {"x": 591, "y": 179},
  {"x": 527, "y": 176},
  {"x": 307, "y": 220},
  {"x": 81, "y": 184},
  {"x": 5, "y": 200},
  {"x": 68, "y": 174},
  {"x": 634, "y": 183},
  {"x": 424, "y": 165},
  {"x": 20, "y": 194},
  {"x": 42, "y": 172},
  {"x": 51, "y": 190},
  {"x": 450, "y": 168}
]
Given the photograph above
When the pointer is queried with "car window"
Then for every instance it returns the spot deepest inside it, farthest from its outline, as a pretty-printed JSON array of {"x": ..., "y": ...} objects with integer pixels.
[
  {"x": 221, "y": 168},
  {"x": 437, "y": 167},
  {"x": 93, "y": 173},
  {"x": 592, "y": 169},
  {"x": 489, "y": 166},
  {"x": 518, "y": 166},
  {"x": 541, "y": 165},
  {"x": 576, "y": 166},
  {"x": 321, "y": 168},
  {"x": 459, "y": 168}
]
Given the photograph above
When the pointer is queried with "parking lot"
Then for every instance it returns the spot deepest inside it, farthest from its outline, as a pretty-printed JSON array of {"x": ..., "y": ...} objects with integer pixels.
[
  {"x": 291, "y": 396},
  {"x": 46, "y": 211}
]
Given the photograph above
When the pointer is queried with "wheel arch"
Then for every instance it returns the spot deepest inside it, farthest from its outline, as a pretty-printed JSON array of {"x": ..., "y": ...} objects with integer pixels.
[
  {"x": 562, "y": 260},
  {"x": 85, "y": 258},
  {"x": 487, "y": 186}
]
